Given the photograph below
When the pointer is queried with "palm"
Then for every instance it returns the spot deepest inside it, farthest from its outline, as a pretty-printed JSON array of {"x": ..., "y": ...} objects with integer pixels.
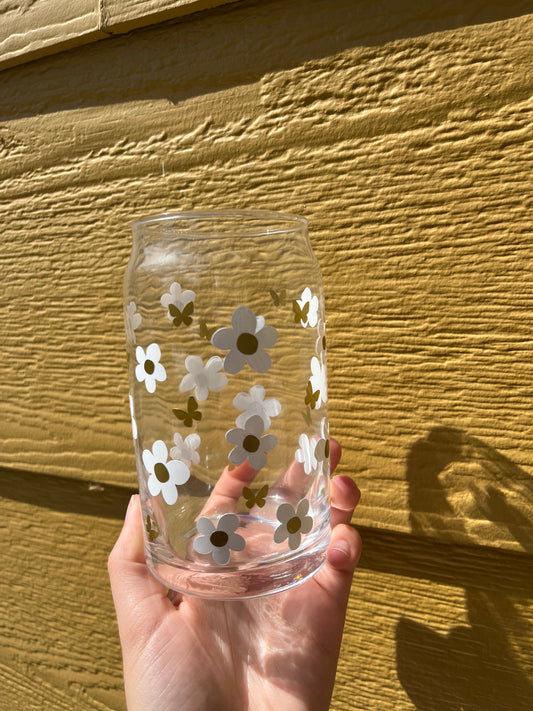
[{"x": 271, "y": 652}]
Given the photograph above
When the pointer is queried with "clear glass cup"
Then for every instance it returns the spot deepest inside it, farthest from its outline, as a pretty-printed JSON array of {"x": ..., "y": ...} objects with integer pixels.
[{"x": 225, "y": 325}]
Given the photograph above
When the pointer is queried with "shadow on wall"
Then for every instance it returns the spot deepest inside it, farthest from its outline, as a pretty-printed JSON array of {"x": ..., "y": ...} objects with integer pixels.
[{"x": 461, "y": 486}]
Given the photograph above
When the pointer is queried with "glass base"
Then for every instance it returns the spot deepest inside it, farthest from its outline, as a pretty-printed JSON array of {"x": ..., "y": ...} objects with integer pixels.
[{"x": 264, "y": 579}]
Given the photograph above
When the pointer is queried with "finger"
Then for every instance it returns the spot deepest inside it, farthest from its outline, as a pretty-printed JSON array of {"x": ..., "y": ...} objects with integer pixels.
[
  {"x": 342, "y": 557},
  {"x": 228, "y": 489},
  {"x": 335, "y": 452},
  {"x": 141, "y": 601},
  {"x": 344, "y": 498}
]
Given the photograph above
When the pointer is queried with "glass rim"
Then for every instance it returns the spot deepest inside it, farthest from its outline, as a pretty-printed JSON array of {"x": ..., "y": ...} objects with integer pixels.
[{"x": 288, "y": 223}]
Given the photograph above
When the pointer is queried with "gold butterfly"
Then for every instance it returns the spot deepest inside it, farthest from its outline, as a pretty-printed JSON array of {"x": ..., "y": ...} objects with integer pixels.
[
  {"x": 181, "y": 317},
  {"x": 307, "y": 416},
  {"x": 257, "y": 499},
  {"x": 278, "y": 299},
  {"x": 300, "y": 314},
  {"x": 206, "y": 332},
  {"x": 190, "y": 415},
  {"x": 153, "y": 533},
  {"x": 310, "y": 396}
]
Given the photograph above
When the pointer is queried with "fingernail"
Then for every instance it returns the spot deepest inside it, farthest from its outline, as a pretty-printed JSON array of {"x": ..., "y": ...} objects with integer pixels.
[
  {"x": 130, "y": 506},
  {"x": 340, "y": 554}
]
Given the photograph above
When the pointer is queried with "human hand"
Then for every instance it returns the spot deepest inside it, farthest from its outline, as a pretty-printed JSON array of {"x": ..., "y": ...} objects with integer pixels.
[{"x": 273, "y": 652}]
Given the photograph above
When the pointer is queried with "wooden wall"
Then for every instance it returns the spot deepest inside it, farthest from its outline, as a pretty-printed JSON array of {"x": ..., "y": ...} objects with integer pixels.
[{"x": 403, "y": 132}]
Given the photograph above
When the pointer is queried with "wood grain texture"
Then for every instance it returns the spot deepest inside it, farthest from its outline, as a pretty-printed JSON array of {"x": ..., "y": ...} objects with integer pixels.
[
  {"x": 412, "y": 161},
  {"x": 33, "y": 28},
  {"x": 124, "y": 15},
  {"x": 430, "y": 626}
]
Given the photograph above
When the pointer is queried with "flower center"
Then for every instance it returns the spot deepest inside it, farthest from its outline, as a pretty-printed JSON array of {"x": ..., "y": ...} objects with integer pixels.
[
  {"x": 149, "y": 366},
  {"x": 323, "y": 343},
  {"x": 251, "y": 443},
  {"x": 218, "y": 539},
  {"x": 161, "y": 472},
  {"x": 326, "y": 449},
  {"x": 247, "y": 343},
  {"x": 294, "y": 524}
]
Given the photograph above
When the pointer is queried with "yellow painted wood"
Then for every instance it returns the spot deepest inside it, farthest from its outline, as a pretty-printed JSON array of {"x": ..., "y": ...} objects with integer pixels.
[
  {"x": 125, "y": 15},
  {"x": 30, "y": 29},
  {"x": 33, "y": 28},
  {"x": 415, "y": 178},
  {"x": 429, "y": 625}
]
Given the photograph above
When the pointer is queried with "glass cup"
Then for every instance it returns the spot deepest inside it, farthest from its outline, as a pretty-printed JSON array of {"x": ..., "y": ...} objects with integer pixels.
[{"x": 224, "y": 315}]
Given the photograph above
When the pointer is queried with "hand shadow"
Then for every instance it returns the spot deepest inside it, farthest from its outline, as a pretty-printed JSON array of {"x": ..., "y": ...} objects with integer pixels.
[{"x": 460, "y": 488}]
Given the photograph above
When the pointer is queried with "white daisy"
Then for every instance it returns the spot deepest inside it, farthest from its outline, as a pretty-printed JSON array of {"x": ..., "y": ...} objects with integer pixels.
[
  {"x": 185, "y": 449},
  {"x": 246, "y": 341},
  {"x": 294, "y": 523},
  {"x": 306, "y": 453},
  {"x": 133, "y": 321},
  {"x": 220, "y": 540},
  {"x": 319, "y": 381},
  {"x": 322, "y": 446},
  {"x": 165, "y": 476},
  {"x": 255, "y": 404},
  {"x": 309, "y": 313},
  {"x": 177, "y": 298},
  {"x": 133, "y": 423},
  {"x": 149, "y": 369},
  {"x": 320, "y": 346},
  {"x": 203, "y": 378},
  {"x": 250, "y": 443}
]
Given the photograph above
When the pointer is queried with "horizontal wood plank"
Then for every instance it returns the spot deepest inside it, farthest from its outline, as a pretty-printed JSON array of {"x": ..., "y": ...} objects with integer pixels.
[
  {"x": 32, "y": 28},
  {"x": 429, "y": 625}
]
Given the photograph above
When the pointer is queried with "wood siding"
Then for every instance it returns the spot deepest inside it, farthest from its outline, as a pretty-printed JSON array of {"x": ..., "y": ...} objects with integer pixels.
[{"x": 403, "y": 132}]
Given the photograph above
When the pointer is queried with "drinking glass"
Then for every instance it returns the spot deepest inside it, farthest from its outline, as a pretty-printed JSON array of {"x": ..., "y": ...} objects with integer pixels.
[{"x": 225, "y": 326}]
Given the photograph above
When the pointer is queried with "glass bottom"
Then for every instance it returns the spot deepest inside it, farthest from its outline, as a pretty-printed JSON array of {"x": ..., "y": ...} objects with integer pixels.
[{"x": 264, "y": 579}]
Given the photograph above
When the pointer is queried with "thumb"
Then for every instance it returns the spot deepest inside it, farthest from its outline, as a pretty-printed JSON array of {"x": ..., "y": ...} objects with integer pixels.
[{"x": 141, "y": 602}]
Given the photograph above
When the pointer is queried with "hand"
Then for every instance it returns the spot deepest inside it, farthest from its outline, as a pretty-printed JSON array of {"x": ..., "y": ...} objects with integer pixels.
[{"x": 275, "y": 652}]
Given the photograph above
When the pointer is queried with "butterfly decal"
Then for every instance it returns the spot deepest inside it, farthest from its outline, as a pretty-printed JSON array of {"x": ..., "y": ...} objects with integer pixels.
[
  {"x": 311, "y": 396},
  {"x": 255, "y": 499},
  {"x": 153, "y": 533},
  {"x": 206, "y": 332},
  {"x": 307, "y": 416},
  {"x": 300, "y": 314},
  {"x": 188, "y": 416},
  {"x": 278, "y": 299},
  {"x": 181, "y": 317}
]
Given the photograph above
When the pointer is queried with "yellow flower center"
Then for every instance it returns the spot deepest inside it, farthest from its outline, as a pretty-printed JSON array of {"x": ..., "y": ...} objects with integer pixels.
[
  {"x": 294, "y": 524},
  {"x": 161, "y": 472},
  {"x": 247, "y": 343},
  {"x": 218, "y": 539},
  {"x": 149, "y": 366},
  {"x": 251, "y": 443}
]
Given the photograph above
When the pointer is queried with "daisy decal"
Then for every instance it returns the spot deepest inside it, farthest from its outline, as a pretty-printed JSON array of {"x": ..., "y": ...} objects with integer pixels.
[
  {"x": 246, "y": 342},
  {"x": 133, "y": 423},
  {"x": 306, "y": 309},
  {"x": 218, "y": 540},
  {"x": 251, "y": 443},
  {"x": 149, "y": 369},
  {"x": 306, "y": 454},
  {"x": 180, "y": 304},
  {"x": 165, "y": 476},
  {"x": 322, "y": 446},
  {"x": 185, "y": 449},
  {"x": 254, "y": 403},
  {"x": 294, "y": 523},
  {"x": 321, "y": 340},
  {"x": 133, "y": 321},
  {"x": 203, "y": 378},
  {"x": 318, "y": 381}
]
